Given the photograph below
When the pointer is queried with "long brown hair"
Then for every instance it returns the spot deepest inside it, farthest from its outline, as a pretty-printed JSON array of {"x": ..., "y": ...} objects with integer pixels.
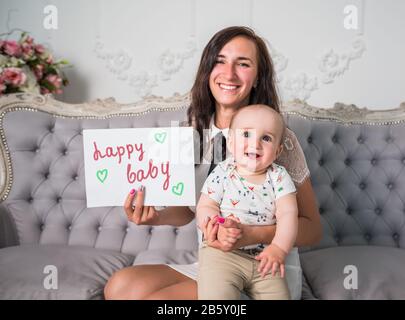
[{"x": 202, "y": 101}]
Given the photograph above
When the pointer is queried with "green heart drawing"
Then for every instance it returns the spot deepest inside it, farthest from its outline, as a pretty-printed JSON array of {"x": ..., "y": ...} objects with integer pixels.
[
  {"x": 178, "y": 189},
  {"x": 160, "y": 137},
  {"x": 102, "y": 175}
]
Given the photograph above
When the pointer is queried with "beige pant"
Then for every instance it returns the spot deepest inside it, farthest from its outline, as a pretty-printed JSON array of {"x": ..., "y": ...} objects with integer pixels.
[{"x": 223, "y": 275}]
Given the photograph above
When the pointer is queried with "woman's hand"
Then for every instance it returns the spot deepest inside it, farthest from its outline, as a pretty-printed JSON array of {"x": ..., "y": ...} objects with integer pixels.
[
  {"x": 140, "y": 214},
  {"x": 222, "y": 233},
  {"x": 229, "y": 232}
]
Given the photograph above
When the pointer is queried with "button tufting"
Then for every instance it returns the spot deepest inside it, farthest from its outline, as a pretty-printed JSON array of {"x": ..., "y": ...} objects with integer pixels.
[
  {"x": 347, "y": 161},
  {"x": 362, "y": 186},
  {"x": 127, "y": 229},
  {"x": 377, "y": 211},
  {"x": 349, "y": 211},
  {"x": 150, "y": 230},
  {"x": 176, "y": 230},
  {"x": 58, "y": 199},
  {"x": 337, "y": 238},
  {"x": 46, "y": 175},
  {"x": 334, "y": 139},
  {"x": 390, "y": 140},
  {"x": 333, "y": 185},
  {"x": 320, "y": 162},
  {"x": 360, "y": 140},
  {"x": 321, "y": 210},
  {"x": 367, "y": 237},
  {"x": 395, "y": 236},
  {"x": 70, "y": 227},
  {"x": 76, "y": 177},
  {"x": 30, "y": 199},
  {"x": 373, "y": 161},
  {"x": 390, "y": 186},
  {"x": 309, "y": 139},
  {"x": 99, "y": 228},
  {"x": 42, "y": 226}
]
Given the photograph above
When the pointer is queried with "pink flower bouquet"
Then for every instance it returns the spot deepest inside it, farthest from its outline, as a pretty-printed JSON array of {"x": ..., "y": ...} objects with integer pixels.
[{"x": 29, "y": 67}]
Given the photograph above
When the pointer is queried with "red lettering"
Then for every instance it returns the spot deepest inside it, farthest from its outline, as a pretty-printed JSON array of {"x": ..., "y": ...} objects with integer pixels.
[
  {"x": 131, "y": 176},
  {"x": 140, "y": 148},
  {"x": 118, "y": 151},
  {"x": 130, "y": 149},
  {"x": 153, "y": 170},
  {"x": 141, "y": 175},
  {"x": 121, "y": 152},
  {"x": 165, "y": 170},
  {"x": 96, "y": 153},
  {"x": 109, "y": 152},
  {"x": 152, "y": 173}
]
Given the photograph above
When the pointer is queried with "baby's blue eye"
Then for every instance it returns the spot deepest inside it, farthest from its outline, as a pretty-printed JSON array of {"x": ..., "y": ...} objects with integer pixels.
[{"x": 267, "y": 138}]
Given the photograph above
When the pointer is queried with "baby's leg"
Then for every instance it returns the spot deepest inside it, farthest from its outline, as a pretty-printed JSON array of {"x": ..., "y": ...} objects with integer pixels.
[
  {"x": 220, "y": 275},
  {"x": 268, "y": 288}
]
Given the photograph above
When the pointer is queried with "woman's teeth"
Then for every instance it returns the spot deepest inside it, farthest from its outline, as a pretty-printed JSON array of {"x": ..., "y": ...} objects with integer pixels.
[{"x": 227, "y": 87}]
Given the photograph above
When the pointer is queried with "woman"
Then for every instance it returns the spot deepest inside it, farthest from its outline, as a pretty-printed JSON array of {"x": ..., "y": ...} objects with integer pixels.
[{"x": 235, "y": 70}]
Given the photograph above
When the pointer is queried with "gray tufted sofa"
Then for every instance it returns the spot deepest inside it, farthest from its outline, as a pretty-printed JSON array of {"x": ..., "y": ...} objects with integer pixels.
[{"x": 357, "y": 163}]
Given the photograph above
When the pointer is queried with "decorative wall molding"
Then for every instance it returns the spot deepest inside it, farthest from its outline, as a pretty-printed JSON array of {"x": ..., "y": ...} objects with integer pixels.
[
  {"x": 332, "y": 64},
  {"x": 120, "y": 62},
  {"x": 300, "y": 86},
  {"x": 171, "y": 62},
  {"x": 280, "y": 62}
]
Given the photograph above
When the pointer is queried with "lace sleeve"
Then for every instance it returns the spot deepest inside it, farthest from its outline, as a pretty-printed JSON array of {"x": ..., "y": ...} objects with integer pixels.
[{"x": 293, "y": 159}]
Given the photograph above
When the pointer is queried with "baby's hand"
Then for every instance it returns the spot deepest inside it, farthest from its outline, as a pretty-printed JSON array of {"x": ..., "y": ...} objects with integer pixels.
[{"x": 271, "y": 258}]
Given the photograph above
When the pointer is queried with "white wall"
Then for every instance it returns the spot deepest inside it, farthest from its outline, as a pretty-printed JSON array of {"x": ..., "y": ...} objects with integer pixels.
[{"x": 124, "y": 48}]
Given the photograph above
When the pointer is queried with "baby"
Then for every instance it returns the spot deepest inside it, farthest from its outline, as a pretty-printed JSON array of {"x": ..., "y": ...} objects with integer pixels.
[{"x": 250, "y": 188}]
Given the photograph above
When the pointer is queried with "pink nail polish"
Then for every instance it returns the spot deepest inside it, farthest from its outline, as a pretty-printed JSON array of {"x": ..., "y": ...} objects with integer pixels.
[
  {"x": 221, "y": 220},
  {"x": 132, "y": 191}
]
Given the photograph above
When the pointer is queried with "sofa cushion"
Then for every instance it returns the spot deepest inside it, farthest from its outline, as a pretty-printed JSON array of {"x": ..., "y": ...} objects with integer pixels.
[
  {"x": 81, "y": 272},
  {"x": 379, "y": 270}
]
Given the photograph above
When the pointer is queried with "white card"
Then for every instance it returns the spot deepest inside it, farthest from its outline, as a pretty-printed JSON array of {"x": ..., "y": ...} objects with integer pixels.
[{"x": 118, "y": 160}]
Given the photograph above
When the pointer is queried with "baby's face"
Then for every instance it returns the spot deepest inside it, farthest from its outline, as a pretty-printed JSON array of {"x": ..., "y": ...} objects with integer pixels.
[{"x": 255, "y": 139}]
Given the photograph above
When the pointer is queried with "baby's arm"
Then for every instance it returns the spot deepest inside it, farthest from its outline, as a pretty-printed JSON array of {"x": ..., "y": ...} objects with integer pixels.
[
  {"x": 273, "y": 256},
  {"x": 206, "y": 207},
  {"x": 287, "y": 222}
]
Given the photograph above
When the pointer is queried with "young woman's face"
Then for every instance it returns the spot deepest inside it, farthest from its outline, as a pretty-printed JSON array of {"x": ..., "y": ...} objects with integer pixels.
[{"x": 235, "y": 73}]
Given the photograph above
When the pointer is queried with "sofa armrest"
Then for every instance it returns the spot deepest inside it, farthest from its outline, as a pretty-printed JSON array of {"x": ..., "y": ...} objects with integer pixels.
[{"x": 8, "y": 231}]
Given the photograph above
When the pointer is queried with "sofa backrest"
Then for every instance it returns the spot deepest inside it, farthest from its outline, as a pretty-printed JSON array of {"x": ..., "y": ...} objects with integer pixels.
[
  {"x": 357, "y": 162},
  {"x": 356, "y": 158},
  {"x": 43, "y": 186}
]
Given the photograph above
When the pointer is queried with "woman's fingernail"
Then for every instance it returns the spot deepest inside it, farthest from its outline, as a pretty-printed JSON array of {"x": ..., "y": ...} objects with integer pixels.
[
  {"x": 132, "y": 191},
  {"x": 141, "y": 188},
  {"x": 221, "y": 220},
  {"x": 206, "y": 218}
]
